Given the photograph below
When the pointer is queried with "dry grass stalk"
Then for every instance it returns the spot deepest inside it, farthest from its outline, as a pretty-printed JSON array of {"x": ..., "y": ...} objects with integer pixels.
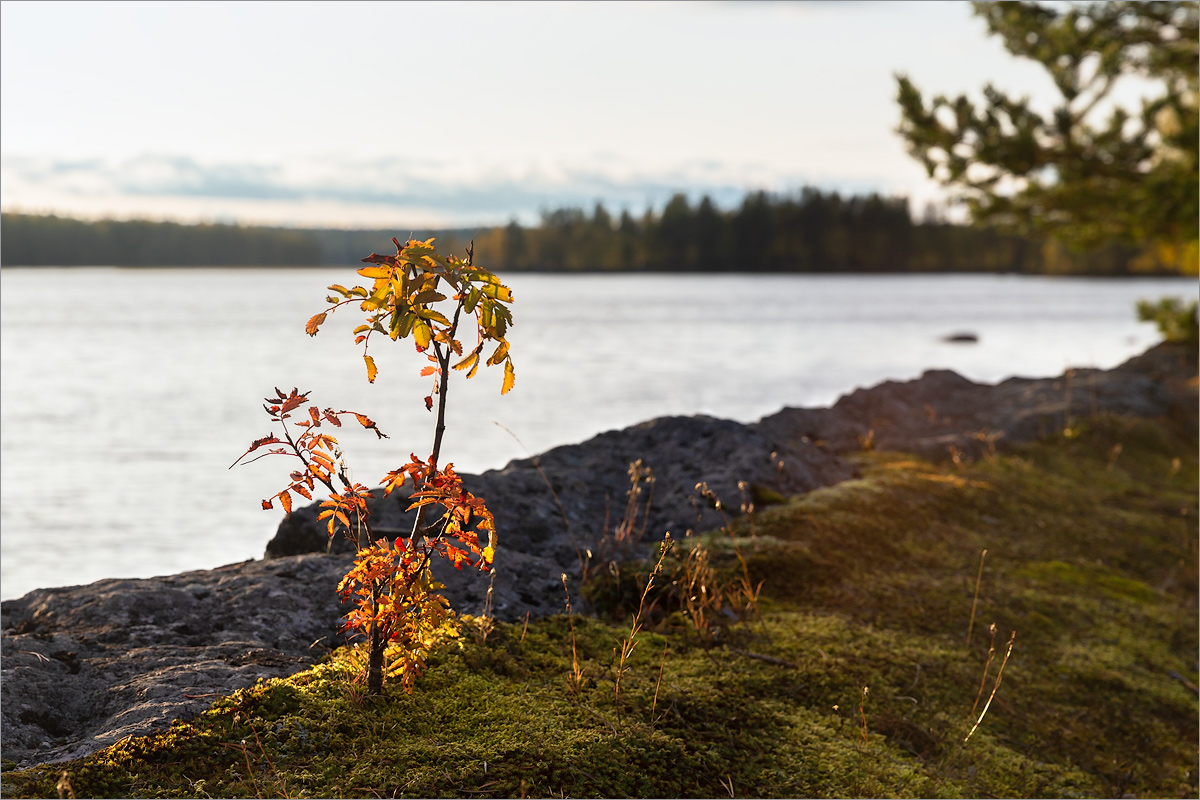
[
  {"x": 1113, "y": 455},
  {"x": 629, "y": 643},
  {"x": 576, "y": 679},
  {"x": 987, "y": 666},
  {"x": 748, "y": 510},
  {"x": 487, "y": 622},
  {"x": 748, "y": 592},
  {"x": 995, "y": 686},
  {"x": 621, "y": 543},
  {"x": 975, "y": 600},
  {"x": 701, "y": 590},
  {"x": 661, "y": 666},
  {"x": 862, "y": 711}
]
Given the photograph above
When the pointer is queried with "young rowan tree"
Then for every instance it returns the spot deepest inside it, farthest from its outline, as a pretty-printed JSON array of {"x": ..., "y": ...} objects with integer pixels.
[{"x": 394, "y": 592}]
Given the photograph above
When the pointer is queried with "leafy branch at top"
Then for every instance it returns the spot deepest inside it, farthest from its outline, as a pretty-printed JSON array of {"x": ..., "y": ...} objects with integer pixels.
[{"x": 401, "y": 302}]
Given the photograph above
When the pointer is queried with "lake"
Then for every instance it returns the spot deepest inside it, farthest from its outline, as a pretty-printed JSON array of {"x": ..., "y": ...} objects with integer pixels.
[{"x": 126, "y": 394}]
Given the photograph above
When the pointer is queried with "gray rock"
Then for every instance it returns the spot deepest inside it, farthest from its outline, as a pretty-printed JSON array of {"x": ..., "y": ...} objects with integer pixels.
[
  {"x": 86, "y": 666},
  {"x": 591, "y": 481},
  {"x": 943, "y": 410}
]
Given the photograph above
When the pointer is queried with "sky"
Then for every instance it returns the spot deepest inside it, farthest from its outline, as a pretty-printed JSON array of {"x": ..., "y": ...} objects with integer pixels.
[{"x": 460, "y": 114}]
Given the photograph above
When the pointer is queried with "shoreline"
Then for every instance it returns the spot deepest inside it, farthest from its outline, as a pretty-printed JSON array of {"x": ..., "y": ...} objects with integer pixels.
[{"x": 88, "y": 665}]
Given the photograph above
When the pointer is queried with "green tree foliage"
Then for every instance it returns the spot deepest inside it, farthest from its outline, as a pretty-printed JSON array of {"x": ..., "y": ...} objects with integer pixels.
[
  {"x": 1176, "y": 320},
  {"x": 31, "y": 240},
  {"x": 1090, "y": 172},
  {"x": 805, "y": 231}
]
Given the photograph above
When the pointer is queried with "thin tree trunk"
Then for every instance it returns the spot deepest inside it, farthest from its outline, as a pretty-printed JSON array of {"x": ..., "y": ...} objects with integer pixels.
[{"x": 376, "y": 645}]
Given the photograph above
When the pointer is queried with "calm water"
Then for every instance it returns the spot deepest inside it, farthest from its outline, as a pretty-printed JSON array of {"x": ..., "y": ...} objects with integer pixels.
[{"x": 126, "y": 394}]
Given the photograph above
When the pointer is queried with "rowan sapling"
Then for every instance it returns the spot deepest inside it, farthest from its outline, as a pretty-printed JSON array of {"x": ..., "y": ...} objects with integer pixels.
[{"x": 394, "y": 592}]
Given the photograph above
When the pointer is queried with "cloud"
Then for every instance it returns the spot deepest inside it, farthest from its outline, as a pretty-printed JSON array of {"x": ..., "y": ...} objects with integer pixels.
[{"x": 339, "y": 191}]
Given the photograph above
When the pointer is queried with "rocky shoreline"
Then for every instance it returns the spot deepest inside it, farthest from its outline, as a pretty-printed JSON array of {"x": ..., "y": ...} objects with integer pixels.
[{"x": 86, "y": 666}]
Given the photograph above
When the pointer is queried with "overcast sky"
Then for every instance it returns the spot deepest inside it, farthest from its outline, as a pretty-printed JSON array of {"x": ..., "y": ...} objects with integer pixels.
[{"x": 411, "y": 114}]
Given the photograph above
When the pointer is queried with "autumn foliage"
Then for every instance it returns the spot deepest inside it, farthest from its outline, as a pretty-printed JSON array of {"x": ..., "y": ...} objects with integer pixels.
[{"x": 393, "y": 593}]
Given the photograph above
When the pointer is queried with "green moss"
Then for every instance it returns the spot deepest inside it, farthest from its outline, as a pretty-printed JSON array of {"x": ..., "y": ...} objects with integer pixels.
[{"x": 1091, "y": 561}]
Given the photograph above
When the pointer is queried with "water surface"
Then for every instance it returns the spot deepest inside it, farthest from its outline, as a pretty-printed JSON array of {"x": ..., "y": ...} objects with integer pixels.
[{"x": 126, "y": 394}]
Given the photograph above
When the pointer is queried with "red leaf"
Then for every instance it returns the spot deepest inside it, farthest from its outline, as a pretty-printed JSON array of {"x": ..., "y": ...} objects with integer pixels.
[
  {"x": 293, "y": 401},
  {"x": 375, "y": 258},
  {"x": 267, "y": 505},
  {"x": 429, "y": 402}
]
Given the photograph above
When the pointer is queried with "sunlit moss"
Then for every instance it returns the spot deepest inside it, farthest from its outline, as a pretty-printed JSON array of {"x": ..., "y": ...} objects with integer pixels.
[{"x": 1091, "y": 561}]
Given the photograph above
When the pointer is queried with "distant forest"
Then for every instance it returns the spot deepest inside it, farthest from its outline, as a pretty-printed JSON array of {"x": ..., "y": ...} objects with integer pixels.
[{"x": 809, "y": 231}]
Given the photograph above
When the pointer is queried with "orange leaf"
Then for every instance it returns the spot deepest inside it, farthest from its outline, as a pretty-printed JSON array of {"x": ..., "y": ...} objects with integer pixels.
[
  {"x": 314, "y": 322},
  {"x": 366, "y": 422},
  {"x": 267, "y": 505},
  {"x": 425, "y": 373}
]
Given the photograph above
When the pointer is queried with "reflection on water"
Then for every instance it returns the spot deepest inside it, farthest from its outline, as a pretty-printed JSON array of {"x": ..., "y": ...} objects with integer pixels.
[{"x": 126, "y": 394}]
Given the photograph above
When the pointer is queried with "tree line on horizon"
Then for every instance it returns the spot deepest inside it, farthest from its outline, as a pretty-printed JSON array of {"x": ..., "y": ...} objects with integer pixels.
[{"x": 809, "y": 231}]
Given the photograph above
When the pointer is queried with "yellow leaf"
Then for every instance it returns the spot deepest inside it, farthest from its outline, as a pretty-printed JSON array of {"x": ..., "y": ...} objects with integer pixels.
[
  {"x": 498, "y": 291},
  {"x": 488, "y": 553},
  {"x": 422, "y": 333},
  {"x": 468, "y": 361},
  {"x": 372, "y": 370},
  {"x": 499, "y": 355},
  {"x": 314, "y": 322},
  {"x": 510, "y": 377},
  {"x": 436, "y": 316},
  {"x": 375, "y": 272}
]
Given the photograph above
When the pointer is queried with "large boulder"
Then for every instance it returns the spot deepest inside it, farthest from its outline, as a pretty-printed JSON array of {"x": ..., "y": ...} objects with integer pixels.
[{"x": 591, "y": 481}]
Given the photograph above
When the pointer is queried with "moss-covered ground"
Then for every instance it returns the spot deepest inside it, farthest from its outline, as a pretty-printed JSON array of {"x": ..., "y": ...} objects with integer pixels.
[{"x": 1091, "y": 560}]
